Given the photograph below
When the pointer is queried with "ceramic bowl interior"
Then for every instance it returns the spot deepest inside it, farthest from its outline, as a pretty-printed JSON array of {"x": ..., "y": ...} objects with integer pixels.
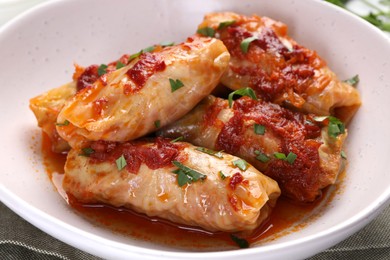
[{"x": 39, "y": 48}]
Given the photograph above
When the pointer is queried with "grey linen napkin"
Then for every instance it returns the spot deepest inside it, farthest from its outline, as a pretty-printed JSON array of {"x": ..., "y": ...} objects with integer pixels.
[{"x": 21, "y": 240}]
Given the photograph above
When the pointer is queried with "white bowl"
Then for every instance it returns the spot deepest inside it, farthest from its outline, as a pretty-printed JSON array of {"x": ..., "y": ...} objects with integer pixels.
[{"x": 37, "y": 53}]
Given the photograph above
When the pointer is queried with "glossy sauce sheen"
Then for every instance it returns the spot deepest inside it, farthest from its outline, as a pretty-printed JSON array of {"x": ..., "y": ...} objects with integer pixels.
[
  {"x": 148, "y": 64},
  {"x": 286, "y": 215},
  {"x": 86, "y": 77},
  {"x": 135, "y": 153},
  {"x": 286, "y": 70}
]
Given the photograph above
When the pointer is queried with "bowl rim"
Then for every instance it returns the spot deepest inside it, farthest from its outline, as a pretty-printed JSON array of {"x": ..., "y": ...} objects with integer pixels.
[{"x": 41, "y": 219}]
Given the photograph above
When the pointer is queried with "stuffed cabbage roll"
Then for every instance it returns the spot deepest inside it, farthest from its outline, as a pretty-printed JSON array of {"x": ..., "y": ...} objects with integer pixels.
[
  {"x": 48, "y": 105},
  {"x": 301, "y": 152},
  {"x": 151, "y": 91},
  {"x": 280, "y": 70},
  {"x": 172, "y": 180},
  {"x": 46, "y": 108}
]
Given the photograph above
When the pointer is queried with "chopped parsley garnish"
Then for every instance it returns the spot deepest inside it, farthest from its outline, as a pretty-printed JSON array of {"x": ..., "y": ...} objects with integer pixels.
[
  {"x": 65, "y": 123},
  {"x": 210, "y": 152},
  {"x": 102, "y": 69},
  {"x": 121, "y": 162},
  {"x": 157, "y": 123},
  {"x": 335, "y": 126},
  {"x": 135, "y": 55},
  {"x": 353, "y": 81},
  {"x": 241, "y": 164},
  {"x": 225, "y": 24},
  {"x": 343, "y": 155},
  {"x": 149, "y": 49},
  {"x": 186, "y": 174},
  {"x": 175, "y": 84},
  {"x": 261, "y": 157},
  {"x": 280, "y": 156},
  {"x": 166, "y": 44},
  {"x": 241, "y": 92},
  {"x": 244, "y": 45},
  {"x": 259, "y": 129},
  {"x": 242, "y": 243},
  {"x": 87, "y": 151},
  {"x": 119, "y": 65},
  {"x": 290, "y": 158},
  {"x": 206, "y": 31},
  {"x": 223, "y": 176},
  {"x": 177, "y": 139}
]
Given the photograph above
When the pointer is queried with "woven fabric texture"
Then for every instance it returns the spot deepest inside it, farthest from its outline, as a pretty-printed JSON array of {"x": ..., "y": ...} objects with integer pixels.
[{"x": 21, "y": 240}]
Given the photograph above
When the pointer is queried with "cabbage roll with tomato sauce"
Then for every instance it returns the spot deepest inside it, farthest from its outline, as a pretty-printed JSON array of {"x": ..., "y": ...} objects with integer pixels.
[
  {"x": 174, "y": 181},
  {"x": 300, "y": 153},
  {"x": 266, "y": 59},
  {"x": 46, "y": 108},
  {"x": 48, "y": 105},
  {"x": 153, "y": 90}
]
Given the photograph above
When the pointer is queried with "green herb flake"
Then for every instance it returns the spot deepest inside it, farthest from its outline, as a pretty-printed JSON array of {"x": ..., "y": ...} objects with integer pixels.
[
  {"x": 242, "y": 243},
  {"x": 353, "y": 81},
  {"x": 167, "y": 43},
  {"x": 291, "y": 157},
  {"x": 280, "y": 156},
  {"x": 241, "y": 164},
  {"x": 242, "y": 92},
  {"x": 333, "y": 130},
  {"x": 65, "y": 123},
  {"x": 182, "y": 178},
  {"x": 343, "y": 155},
  {"x": 135, "y": 55},
  {"x": 157, "y": 123},
  {"x": 206, "y": 31},
  {"x": 186, "y": 174},
  {"x": 225, "y": 24},
  {"x": 244, "y": 45},
  {"x": 121, "y": 162},
  {"x": 102, "y": 69},
  {"x": 259, "y": 129},
  {"x": 149, "y": 49},
  {"x": 222, "y": 175},
  {"x": 180, "y": 138},
  {"x": 335, "y": 126},
  {"x": 175, "y": 84},
  {"x": 87, "y": 151},
  {"x": 261, "y": 157},
  {"x": 119, "y": 65},
  {"x": 210, "y": 152}
]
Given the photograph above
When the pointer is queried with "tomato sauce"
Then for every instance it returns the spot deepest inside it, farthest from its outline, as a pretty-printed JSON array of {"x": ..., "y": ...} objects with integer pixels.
[
  {"x": 297, "y": 133},
  {"x": 135, "y": 153},
  {"x": 276, "y": 71},
  {"x": 88, "y": 77},
  {"x": 146, "y": 66},
  {"x": 285, "y": 218},
  {"x": 85, "y": 77}
]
